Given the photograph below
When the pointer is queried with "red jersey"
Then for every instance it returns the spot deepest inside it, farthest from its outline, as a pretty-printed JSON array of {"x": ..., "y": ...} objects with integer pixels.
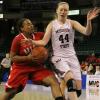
[
  {"x": 24, "y": 48},
  {"x": 20, "y": 47},
  {"x": 39, "y": 35},
  {"x": 21, "y": 72}
]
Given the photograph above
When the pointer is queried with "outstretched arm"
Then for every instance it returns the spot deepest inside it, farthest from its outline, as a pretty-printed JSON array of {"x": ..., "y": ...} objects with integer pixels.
[
  {"x": 88, "y": 29},
  {"x": 92, "y": 14},
  {"x": 46, "y": 37}
]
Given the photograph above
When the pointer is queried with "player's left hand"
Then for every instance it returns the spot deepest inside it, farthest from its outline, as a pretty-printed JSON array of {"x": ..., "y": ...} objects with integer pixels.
[{"x": 93, "y": 13}]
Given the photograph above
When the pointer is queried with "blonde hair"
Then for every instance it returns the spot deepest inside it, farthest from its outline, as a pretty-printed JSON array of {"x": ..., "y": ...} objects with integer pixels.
[{"x": 61, "y": 3}]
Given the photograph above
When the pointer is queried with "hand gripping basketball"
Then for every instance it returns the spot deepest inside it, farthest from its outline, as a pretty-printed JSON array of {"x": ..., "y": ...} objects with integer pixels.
[{"x": 39, "y": 54}]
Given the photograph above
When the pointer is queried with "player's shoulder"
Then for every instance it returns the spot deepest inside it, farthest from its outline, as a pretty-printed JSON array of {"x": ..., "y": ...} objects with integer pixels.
[
  {"x": 52, "y": 23},
  {"x": 72, "y": 22},
  {"x": 18, "y": 37}
]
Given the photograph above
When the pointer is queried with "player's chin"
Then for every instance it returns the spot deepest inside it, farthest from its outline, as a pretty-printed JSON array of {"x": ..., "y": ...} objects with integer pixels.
[
  {"x": 30, "y": 33},
  {"x": 63, "y": 16}
]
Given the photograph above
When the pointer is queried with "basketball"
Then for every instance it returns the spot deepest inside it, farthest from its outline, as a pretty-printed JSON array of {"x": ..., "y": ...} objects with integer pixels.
[{"x": 39, "y": 54}]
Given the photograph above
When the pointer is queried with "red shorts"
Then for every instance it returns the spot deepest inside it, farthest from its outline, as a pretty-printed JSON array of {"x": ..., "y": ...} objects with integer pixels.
[{"x": 20, "y": 75}]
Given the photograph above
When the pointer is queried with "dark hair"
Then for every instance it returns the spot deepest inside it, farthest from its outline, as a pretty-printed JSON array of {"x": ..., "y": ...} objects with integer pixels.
[{"x": 20, "y": 24}]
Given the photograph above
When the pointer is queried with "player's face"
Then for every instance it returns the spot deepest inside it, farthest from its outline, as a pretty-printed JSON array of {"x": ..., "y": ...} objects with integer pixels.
[
  {"x": 27, "y": 27},
  {"x": 62, "y": 10}
]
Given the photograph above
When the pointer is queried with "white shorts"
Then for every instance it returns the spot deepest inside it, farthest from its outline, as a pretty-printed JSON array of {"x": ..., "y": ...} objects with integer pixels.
[{"x": 63, "y": 65}]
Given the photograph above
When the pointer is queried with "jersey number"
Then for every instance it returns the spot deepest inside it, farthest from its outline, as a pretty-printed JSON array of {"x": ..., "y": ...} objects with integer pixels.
[{"x": 64, "y": 38}]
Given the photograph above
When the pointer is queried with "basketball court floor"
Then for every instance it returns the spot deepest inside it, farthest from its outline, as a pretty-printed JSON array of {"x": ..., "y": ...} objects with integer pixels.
[{"x": 36, "y": 92}]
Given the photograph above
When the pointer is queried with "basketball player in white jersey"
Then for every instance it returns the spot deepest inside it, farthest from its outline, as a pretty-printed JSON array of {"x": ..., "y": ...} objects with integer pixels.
[{"x": 61, "y": 32}]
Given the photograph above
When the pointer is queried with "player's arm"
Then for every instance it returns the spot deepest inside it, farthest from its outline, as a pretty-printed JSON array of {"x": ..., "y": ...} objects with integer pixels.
[
  {"x": 46, "y": 37},
  {"x": 20, "y": 59},
  {"x": 82, "y": 29},
  {"x": 14, "y": 53},
  {"x": 88, "y": 29}
]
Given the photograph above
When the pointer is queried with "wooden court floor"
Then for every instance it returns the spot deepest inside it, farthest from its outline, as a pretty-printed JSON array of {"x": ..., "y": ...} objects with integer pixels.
[{"x": 35, "y": 92}]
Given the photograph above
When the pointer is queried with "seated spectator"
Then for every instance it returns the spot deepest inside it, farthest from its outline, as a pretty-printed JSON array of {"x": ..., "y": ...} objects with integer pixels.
[
  {"x": 97, "y": 70},
  {"x": 91, "y": 58},
  {"x": 90, "y": 70},
  {"x": 98, "y": 61}
]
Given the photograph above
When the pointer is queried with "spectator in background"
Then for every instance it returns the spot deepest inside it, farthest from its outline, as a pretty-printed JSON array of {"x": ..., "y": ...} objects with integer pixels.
[
  {"x": 98, "y": 61},
  {"x": 91, "y": 58},
  {"x": 90, "y": 70},
  {"x": 97, "y": 70},
  {"x": 6, "y": 62},
  {"x": 5, "y": 65},
  {"x": 84, "y": 67}
]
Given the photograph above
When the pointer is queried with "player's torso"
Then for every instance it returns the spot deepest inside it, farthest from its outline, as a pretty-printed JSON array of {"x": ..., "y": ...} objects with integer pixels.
[
  {"x": 25, "y": 47},
  {"x": 62, "y": 38},
  {"x": 22, "y": 45}
]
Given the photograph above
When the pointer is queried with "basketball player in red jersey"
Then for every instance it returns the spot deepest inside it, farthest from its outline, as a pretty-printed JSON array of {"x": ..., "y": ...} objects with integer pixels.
[
  {"x": 61, "y": 31},
  {"x": 22, "y": 68}
]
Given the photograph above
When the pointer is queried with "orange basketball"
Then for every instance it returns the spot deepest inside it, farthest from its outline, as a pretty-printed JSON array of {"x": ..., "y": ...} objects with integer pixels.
[{"x": 39, "y": 54}]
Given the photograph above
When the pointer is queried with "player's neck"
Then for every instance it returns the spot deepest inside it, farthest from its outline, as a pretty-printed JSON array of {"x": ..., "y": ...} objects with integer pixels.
[
  {"x": 26, "y": 36},
  {"x": 62, "y": 20}
]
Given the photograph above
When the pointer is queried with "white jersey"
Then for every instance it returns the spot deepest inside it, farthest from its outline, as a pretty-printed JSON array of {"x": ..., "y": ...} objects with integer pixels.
[{"x": 62, "y": 39}]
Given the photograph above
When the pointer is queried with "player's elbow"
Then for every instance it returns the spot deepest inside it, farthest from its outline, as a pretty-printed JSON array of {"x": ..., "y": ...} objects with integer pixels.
[{"x": 87, "y": 33}]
